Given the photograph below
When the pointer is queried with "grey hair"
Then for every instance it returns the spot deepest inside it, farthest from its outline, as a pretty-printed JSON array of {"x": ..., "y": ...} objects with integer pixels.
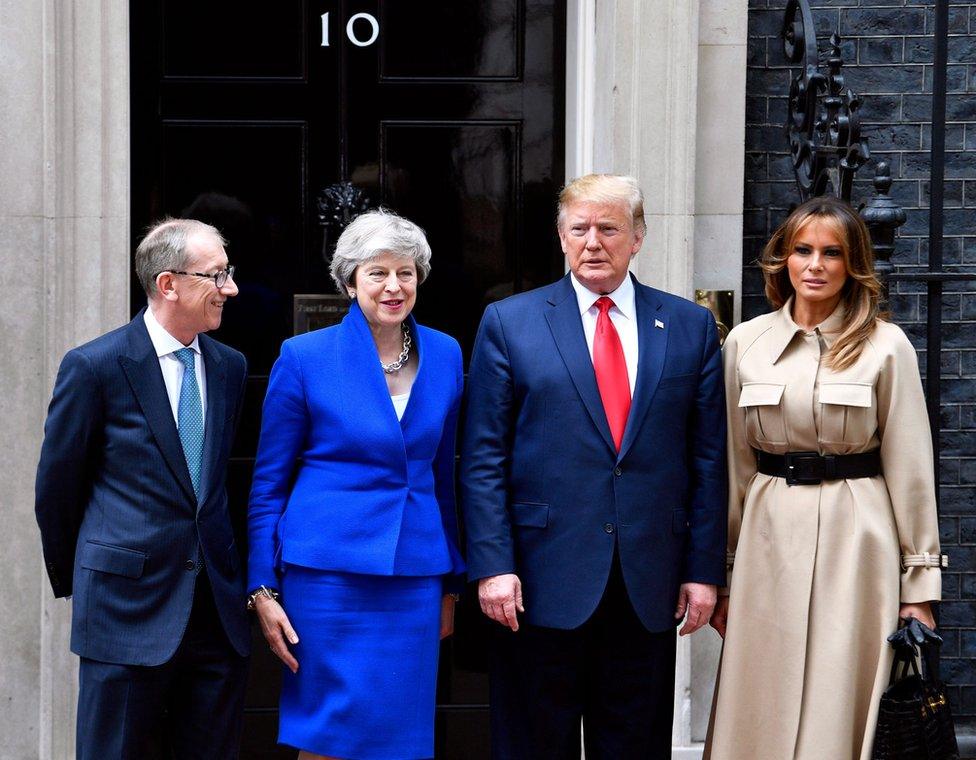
[
  {"x": 604, "y": 188},
  {"x": 371, "y": 235},
  {"x": 164, "y": 249}
]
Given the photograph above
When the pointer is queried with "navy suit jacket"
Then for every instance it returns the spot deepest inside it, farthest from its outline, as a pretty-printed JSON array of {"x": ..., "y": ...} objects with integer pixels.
[
  {"x": 546, "y": 495},
  {"x": 372, "y": 494},
  {"x": 120, "y": 525}
]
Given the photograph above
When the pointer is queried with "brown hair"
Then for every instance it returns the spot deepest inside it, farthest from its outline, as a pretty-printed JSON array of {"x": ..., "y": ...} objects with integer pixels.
[{"x": 861, "y": 294}]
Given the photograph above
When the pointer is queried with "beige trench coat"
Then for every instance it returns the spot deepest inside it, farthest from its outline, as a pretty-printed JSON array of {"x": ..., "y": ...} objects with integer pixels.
[{"x": 818, "y": 571}]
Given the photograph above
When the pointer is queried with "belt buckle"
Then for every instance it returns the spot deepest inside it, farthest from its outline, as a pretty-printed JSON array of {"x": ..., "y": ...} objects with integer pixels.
[{"x": 804, "y": 468}]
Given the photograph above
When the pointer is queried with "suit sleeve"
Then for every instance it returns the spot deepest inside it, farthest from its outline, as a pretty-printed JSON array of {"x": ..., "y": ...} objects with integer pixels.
[
  {"x": 485, "y": 453},
  {"x": 444, "y": 481},
  {"x": 284, "y": 425},
  {"x": 705, "y": 558},
  {"x": 63, "y": 483},
  {"x": 907, "y": 464}
]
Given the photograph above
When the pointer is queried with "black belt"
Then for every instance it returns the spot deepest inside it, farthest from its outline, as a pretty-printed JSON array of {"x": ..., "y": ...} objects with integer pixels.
[{"x": 807, "y": 468}]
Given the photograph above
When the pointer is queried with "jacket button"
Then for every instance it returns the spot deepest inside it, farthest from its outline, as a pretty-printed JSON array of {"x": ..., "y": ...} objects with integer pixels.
[
  {"x": 608, "y": 527},
  {"x": 189, "y": 565},
  {"x": 617, "y": 471}
]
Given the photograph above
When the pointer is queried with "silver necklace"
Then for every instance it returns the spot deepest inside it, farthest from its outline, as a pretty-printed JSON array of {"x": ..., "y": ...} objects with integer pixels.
[{"x": 404, "y": 354}]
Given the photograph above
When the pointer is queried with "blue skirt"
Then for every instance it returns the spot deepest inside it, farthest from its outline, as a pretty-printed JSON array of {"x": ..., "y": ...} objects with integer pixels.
[{"x": 367, "y": 664}]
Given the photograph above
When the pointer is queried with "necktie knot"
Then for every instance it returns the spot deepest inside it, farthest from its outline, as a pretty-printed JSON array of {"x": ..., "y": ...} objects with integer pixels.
[
  {"x": 185, "y": 355},
  {"x": 604, "y": 303}
]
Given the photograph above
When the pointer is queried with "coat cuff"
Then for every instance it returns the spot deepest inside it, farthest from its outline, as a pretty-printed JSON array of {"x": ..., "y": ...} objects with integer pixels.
[{"x": 921, "y": 578}]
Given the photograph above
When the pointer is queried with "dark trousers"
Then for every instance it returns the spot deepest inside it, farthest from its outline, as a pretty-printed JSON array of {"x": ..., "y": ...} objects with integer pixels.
[
  {"x": 611, "y": 673},
  {"x": 190, "y": 707}
]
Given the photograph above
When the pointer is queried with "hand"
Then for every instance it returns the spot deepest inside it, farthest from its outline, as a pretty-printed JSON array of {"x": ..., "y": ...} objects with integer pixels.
[
  {"x": 447, "y": 615},
  {"x": 276, "y": 628},
  {"x": 922, "y": 612},
  {"x": 698, "y": 600},
  {"x": 500, "y": 597},
  {"x": 720, "y": 618}
]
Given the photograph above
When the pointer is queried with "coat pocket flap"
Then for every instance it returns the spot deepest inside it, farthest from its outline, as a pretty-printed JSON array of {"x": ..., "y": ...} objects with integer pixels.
[
  {"x": 530, "y": 515},
  {"x": 761, "y": 394},
  {"x": 846, "y": 394},
  {"x": 113, "y": 559}
]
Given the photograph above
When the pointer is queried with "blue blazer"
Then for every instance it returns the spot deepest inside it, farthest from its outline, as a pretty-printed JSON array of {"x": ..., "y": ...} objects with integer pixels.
[
  {"x": 120, "y": 525},
  {"x": 546, "y": 495},
  {"x": 372, "y": 494}
]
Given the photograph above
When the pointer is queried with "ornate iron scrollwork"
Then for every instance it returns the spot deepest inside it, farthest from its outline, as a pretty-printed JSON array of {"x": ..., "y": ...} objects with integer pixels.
[
  {"x": 337, "y": 205},
  {"x": 823, "y": 126}
]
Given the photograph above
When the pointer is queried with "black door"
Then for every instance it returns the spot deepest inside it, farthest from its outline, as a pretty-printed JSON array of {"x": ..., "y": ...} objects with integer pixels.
[{"x": 449, "y": 112}]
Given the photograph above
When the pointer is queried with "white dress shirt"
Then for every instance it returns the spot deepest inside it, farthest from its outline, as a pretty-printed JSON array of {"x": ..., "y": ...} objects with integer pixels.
[
  {"x": 623, "y": 314},
  {"x": 172, "y": 368}
]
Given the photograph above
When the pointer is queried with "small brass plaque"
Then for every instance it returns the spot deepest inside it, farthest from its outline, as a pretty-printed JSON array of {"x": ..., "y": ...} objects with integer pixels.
[
  {"x": 722, "y": 305},
  {"x": 313, "y": 311}
]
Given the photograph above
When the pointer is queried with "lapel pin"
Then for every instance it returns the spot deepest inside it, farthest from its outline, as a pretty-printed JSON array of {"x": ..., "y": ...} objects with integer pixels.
[{"x": 659, "y": 323}]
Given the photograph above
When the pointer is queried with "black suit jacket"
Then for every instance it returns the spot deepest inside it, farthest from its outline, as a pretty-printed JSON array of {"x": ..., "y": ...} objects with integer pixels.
[{"x": 120, "y": 525}]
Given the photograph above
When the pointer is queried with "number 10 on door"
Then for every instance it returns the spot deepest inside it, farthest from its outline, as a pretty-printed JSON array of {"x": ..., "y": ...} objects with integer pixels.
[{"x": 370, "y": 21}]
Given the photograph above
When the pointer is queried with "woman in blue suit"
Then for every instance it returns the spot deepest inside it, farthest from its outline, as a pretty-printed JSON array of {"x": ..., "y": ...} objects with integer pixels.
[{"x": 354, "y": 549}]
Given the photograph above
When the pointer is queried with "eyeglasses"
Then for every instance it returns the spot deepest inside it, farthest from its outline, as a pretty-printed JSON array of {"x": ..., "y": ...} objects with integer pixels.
[{"x": 219, "y": 278}]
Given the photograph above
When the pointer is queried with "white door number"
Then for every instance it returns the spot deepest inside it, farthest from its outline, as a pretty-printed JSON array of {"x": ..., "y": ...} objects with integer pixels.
[{"x": 371, "y": 22}]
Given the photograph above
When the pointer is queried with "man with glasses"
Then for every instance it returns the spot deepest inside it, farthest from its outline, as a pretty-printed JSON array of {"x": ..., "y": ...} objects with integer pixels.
[{"x": 132, "y": 505}]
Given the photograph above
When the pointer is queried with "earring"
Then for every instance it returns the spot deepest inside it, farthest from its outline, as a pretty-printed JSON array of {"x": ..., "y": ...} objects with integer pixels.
[{"x": 352, "y": 293}]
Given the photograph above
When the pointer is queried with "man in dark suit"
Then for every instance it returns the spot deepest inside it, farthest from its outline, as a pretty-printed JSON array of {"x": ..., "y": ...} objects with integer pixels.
[
  {"x": 132, "y": 505},
  {"x": 594, "y": 491}
]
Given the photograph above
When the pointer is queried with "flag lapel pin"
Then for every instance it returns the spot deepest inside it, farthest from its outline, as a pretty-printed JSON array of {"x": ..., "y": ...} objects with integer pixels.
[{"x": 659, "y": 323}]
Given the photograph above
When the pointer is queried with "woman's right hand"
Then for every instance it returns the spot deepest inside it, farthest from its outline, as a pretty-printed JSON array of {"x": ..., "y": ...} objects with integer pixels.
[
  {"x": 276, "y": 629},
  {"x": 720, "y": 617}
]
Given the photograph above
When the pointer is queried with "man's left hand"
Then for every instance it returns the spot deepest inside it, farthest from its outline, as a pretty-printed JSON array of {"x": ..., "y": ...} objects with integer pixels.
[{"x": 698, "y": 601}]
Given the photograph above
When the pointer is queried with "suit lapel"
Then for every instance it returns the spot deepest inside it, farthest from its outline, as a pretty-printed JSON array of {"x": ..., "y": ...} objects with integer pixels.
[
  {"x": 363, "y": 383},
  {"x": 141, "y": 367},
  {"x": 567, "y": 331},
  {"x": 213, "y": 429},
  {"x": 652, "y": 337}
]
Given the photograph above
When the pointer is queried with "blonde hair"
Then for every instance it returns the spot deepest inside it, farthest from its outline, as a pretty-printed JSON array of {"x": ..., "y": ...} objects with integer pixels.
[
  {"x": 861, "y": 294},
  {"x": 604, "y": 188}
]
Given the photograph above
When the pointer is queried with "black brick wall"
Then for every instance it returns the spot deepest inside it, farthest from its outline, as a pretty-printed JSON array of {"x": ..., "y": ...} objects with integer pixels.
[{"x": 888, "y": 50}]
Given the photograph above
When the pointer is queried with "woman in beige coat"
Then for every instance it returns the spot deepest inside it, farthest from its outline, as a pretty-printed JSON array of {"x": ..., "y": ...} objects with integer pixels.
[{"x": 821, "y": 569}]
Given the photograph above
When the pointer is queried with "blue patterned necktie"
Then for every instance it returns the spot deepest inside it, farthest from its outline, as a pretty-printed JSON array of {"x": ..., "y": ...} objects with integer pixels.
[{"x": 189, "y": 416}]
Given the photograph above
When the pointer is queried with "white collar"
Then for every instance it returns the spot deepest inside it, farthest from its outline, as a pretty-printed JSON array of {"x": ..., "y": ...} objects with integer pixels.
[
  {"x": 162, "y": 341},
  {"x": 622, "y": 297}
]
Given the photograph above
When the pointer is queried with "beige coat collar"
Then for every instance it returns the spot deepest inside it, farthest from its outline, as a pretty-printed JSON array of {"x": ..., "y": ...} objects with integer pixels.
[{"x": 784, "y": 329}]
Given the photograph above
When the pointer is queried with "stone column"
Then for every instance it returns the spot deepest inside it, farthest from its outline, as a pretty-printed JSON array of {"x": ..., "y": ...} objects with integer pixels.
[
  {"x": 64, "y": 269},
  {"x": 656, "y": 89}
]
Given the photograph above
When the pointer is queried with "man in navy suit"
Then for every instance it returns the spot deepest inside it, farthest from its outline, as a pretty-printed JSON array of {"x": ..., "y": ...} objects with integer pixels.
[
  {"x": 594, "y": 491},
  {"x": 132, "y": 505}
]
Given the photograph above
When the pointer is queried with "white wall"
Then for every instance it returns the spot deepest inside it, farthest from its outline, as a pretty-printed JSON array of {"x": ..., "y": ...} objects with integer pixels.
[{"x": 64, "y": 263}]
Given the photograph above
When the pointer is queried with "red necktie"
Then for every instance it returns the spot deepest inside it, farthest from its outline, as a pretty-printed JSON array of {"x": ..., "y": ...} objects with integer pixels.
[{"x": 611, "y": 371}]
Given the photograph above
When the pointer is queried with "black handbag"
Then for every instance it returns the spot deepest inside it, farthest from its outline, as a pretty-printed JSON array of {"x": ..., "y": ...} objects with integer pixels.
[{"x": 914, "y": 722}]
